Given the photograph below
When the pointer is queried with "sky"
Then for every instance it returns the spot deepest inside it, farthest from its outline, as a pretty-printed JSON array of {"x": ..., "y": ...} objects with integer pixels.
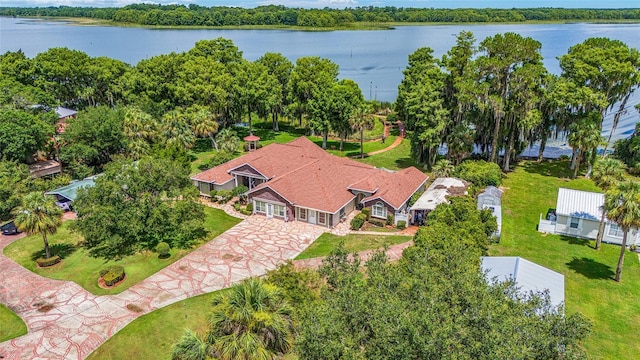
[{"x": 345, "y": 3}]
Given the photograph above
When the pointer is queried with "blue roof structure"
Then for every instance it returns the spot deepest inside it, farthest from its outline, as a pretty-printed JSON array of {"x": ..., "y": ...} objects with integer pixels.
[{"x": 70, "y": 191}]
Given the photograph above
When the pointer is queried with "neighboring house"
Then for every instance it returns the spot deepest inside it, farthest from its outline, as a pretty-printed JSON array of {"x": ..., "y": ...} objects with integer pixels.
[
  {"x": 66, "y": 195},
  {"x": 64, "y": 114},
  {"x": 437, "y": 193},
  {"x": 578, "y": 214},
  {"x": 491, "y": 198},
  {"x": 44, "y": 168},
  {"x": 300, "y": 181},
  {"x": 528, "y": 276}
]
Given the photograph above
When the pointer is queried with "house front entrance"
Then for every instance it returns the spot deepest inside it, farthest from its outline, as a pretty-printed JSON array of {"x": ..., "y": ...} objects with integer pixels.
[
  {"x": 312, "y": 217},
  {"x": 269, "y": 210}
]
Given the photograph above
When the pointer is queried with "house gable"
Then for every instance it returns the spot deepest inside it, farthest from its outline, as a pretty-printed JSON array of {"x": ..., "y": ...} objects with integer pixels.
[{"x": 246, "y": 169}]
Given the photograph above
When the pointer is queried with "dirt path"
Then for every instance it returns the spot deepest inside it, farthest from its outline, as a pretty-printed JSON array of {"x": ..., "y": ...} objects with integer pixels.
[{"x": 396, "y": 143}]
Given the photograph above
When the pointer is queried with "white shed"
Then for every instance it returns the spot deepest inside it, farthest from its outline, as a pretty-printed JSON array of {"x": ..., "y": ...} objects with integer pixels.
[
  {"x": 436, "y": 194},
  {"x": 527, "y": 275},
  {"x": 490, "y": 196}
]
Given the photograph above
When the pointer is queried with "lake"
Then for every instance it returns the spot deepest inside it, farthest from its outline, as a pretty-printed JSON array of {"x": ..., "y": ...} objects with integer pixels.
[{"x": 374, "y": 59}]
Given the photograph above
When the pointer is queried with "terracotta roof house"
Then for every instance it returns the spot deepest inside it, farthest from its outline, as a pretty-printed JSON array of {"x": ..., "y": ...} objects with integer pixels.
[{"x": 300, "y": 181}]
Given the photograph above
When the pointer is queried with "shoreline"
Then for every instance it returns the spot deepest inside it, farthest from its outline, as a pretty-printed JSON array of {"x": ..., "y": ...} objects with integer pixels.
[{"x": 358, "y": 26}]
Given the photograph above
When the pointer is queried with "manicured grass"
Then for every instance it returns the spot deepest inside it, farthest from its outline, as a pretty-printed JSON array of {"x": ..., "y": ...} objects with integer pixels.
[
  {"x": 152, "y": 336},
  {"x": 84, "y": 270},
  {"x": 589, "y": 287},
  {"x": 12, "y": 325},
  {"x": 352, "y": 243},
  {"x": 394, "y": 159},
  {"x": 351, "y": 148}
]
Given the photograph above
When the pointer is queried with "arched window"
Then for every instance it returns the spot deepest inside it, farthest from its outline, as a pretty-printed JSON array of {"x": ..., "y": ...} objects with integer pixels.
[{"x": 379, "y": 210}]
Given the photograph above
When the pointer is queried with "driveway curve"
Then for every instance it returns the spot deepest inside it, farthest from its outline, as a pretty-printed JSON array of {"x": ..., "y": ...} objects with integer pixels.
[{"x": 67, "y": 322}]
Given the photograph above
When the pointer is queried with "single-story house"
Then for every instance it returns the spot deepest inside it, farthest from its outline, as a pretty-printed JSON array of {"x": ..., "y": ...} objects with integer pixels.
[
  {"x": 66, "y": 195},
  {"x": 491, "y": 198},
  {"x": 300, "y": 181},
  {"x": 437, "y": 193},
  {"x": 528, "y": 276},
  {"x": 44, "y": 168},
  {"x": 64, "y": 114},
  {"x": 578, "y": 214}
]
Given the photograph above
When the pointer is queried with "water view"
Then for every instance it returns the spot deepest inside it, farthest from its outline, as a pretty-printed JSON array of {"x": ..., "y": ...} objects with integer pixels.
[{"x": 374, "y": 59}]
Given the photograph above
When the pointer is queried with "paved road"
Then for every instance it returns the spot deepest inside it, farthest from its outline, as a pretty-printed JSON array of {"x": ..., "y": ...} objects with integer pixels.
[{"x": 67, "y": 322}]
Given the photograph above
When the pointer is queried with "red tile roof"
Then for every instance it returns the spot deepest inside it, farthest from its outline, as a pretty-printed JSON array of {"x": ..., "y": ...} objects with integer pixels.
[{"x": 310, "y": 177}]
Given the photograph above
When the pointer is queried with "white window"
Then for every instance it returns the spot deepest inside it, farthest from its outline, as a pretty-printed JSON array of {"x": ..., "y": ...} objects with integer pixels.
[
  {"x": 278, "y": 210},
  {"x": 322, "y": 218},
  {"x": 615, "y": 231},
  {"x": 302, "y": 214},
  {"x": 341, "y": 213},
  {"x": 379, "y": 210},
  {"x": 261, "y": 206},
  {"x": 574, "y": 223}
]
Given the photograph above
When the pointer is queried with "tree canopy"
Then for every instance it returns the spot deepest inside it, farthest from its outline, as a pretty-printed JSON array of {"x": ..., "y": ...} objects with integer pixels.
[{"x": 135, "y": 205}]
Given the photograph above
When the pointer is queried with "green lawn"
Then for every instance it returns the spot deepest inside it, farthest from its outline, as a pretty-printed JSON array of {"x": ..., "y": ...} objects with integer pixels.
[
  {"x": 84, "y": 270},
  {"x": 394, "y": 159},
  {"x": 152, "y": 336},
  {"x": 351, "y": 148},
  {"x": 12, "y": 325},
  {"x": 352, "y": 243},
  {"x": 589, "y": 289}
]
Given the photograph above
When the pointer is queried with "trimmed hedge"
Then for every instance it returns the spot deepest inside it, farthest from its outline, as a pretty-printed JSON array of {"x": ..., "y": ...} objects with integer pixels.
[
  {"x": 358, "y": 221},
  {"x": 113, "y": 274},
  {"x": 367, "y": 213},
  {"x": 377, "y": 222},
  {"x": 250, "y": 207},
  {"x": 401, "y": 225},
  {"x": 163, "y": 250},
  {"x": 42, "y": 262}
]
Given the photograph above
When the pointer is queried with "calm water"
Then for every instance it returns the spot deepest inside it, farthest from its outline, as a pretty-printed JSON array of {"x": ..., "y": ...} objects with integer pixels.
[{"x": 374, "y": 59}]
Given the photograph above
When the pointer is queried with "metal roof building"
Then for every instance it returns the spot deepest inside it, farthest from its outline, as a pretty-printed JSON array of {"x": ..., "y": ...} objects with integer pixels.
[
  {"x": 579, "y": 204},
  {"x": 64, "y": 113},
  {"x": 70, "y": 192},
  {"x": 527, "y": 275}
]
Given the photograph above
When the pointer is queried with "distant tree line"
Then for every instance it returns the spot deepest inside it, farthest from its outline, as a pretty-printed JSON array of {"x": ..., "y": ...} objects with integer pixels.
[{"x": 195, "y": 15}]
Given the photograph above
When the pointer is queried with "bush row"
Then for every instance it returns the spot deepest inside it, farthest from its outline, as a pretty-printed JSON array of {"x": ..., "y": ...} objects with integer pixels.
[{"x": 42, "y": 262}]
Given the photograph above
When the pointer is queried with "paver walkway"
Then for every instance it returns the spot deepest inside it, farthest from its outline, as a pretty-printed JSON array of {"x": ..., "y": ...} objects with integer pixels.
[
  {"x": 67, "y": 322},
  {"x": 395, "y": 144}
]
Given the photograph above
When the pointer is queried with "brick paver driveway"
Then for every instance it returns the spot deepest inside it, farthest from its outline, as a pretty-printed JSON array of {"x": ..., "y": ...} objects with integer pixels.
[{"x": 67, "y": 322}]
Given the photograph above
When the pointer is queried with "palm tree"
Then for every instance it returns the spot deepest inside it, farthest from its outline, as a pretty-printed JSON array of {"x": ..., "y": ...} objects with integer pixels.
[
  {"x": 623, "y": 203},
  {"x": 228, "y": 140},
  {"x": 362, "y": 120},
  {"x": 176, "y": 131},
  {"x": 252, "y": 321},
  {"x": 443, "y": 168},
  {"x": 140, "y": 129},
  {"x": 607, "y": 173},
  {"x": 38, "y": 214},
  {"x": 204, "y": 123},
  {"x": 190, "y": 347}
]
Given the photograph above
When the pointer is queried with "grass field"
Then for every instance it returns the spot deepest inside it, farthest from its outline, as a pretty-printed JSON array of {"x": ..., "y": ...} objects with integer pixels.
[
  {"x": 152, "y": 336},
  {"x": 352, "y": 243},
  {"x": 11, "y": 326},
  {"x": 394, "y": 159},
  {"x": 589, "y": 287},
  {"x": 84, "y": 270}
]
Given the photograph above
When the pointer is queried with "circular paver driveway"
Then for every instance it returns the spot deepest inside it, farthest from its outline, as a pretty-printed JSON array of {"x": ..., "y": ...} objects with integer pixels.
[{"x": 67, "y": 322}]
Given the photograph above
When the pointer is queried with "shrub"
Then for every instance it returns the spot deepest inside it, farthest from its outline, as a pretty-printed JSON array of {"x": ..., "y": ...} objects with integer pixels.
[
  {"x": 367, "y": 213},
  {"x": 480, "y": 173},
  {"x": 357, "y": 222},
  {"x": 390, "y": 219},
  {"x": 377, "y": 222},
  {"x": 213, "y": 193},
  {"x": 42, "y": 262},
  {"x": 224, "y": 195},
  {"x": 163, "y": 250},
  {"x": 401, "y": 225},
  {"x": 236, "y": 206},
  {"x": 250, "y": 207},
  {"x": 240, "y": 189},
  {"x": 114, "y": 274}
]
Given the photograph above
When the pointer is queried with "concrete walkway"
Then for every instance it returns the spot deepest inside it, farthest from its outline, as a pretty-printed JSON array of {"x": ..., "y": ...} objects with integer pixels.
[{"x": 67, "y": 322}]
